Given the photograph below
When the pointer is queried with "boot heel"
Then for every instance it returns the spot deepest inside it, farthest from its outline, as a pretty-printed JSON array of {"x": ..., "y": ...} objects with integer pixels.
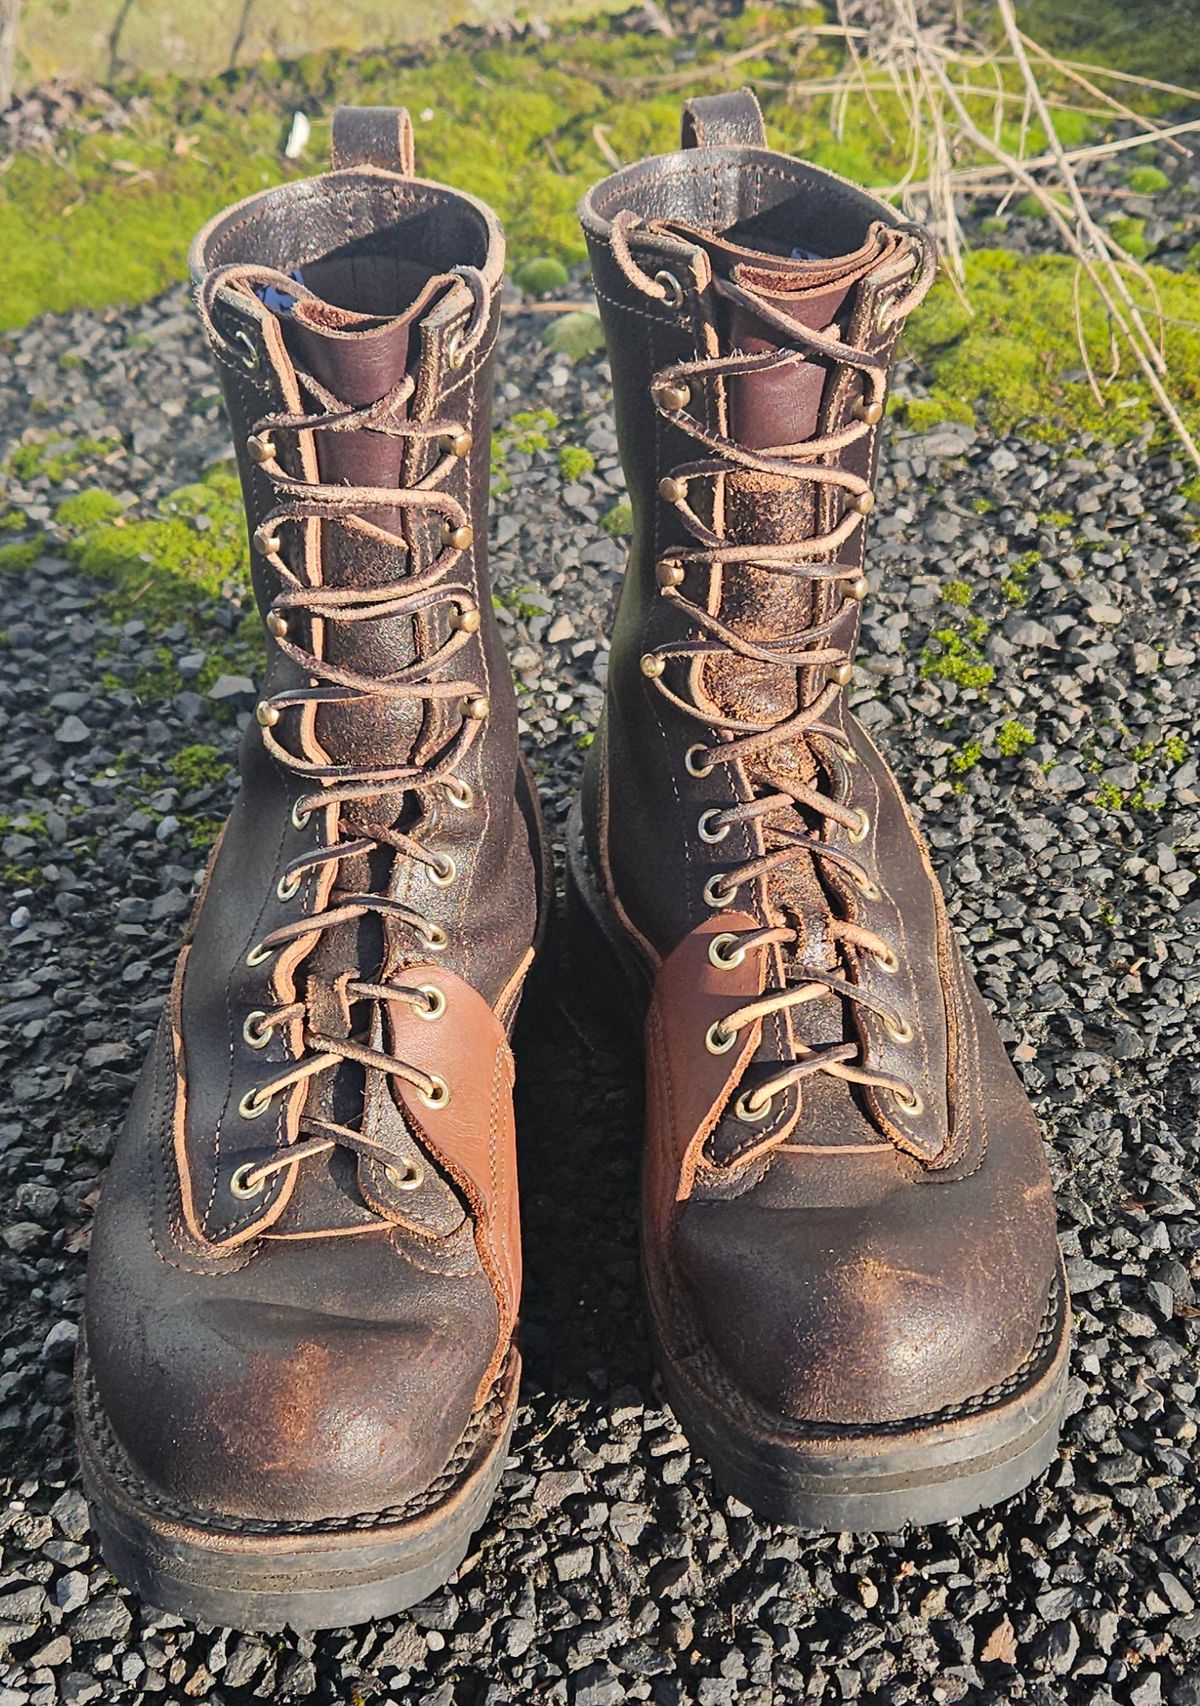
[{"x": 603, "y": 989}]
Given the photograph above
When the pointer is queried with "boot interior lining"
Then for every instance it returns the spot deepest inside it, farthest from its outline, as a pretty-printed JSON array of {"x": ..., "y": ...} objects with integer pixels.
[
  {"x": 762, "y": 201},
  {"x": 369, "y": 246}
]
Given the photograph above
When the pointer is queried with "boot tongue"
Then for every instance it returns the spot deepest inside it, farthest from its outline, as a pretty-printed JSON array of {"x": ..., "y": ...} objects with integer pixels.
[
  {"x": 765, "y": 411},
  {"x": 360, "y": 358}
]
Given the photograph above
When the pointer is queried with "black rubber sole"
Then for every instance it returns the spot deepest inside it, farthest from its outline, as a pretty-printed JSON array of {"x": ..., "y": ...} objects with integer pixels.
[
  {"x": 923, "y": 1470},
  {"x": 264, "y": 1576}
]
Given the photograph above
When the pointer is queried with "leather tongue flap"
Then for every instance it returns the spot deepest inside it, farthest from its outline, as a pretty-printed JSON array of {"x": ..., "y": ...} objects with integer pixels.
[
  {"x": 360, "y": 360},
  {"x": 768, "y": 411}
]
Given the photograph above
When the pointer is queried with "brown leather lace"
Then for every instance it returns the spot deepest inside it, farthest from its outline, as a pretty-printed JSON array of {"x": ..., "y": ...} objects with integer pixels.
[
  {"x": 422, "y": 680},
  {"x": 736, "y": 740}
]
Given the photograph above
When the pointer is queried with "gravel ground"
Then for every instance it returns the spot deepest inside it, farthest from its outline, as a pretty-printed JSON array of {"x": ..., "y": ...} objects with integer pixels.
[{"x": 611, "y": 1570}]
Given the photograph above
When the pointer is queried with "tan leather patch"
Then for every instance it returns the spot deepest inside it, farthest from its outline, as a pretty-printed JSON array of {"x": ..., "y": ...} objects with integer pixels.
[
  {"x": 687, "y": 1084},
  {"x": 473, "y": 1136}
]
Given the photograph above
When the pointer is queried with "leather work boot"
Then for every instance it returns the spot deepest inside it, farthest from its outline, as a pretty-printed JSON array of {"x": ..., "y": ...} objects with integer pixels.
[
  {"x": 297, "y": 1376},
  {"x": 848, "y": 1230}
]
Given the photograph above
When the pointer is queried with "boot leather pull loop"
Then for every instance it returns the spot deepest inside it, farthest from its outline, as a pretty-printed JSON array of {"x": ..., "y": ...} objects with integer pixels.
[
  {"x": 373, "y": 136},
  {"x": 733, "y": 120}
]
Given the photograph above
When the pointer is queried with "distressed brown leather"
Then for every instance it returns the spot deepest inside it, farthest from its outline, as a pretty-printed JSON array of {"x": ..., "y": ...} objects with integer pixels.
[
  {"x": 315, "y": 1347},
  {"x": 879, "y": 1244}
]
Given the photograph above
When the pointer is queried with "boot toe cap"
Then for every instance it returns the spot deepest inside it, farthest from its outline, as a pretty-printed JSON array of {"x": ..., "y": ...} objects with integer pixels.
[
  {"x": 853, "y": 1318},
  {"x": 289, "y": 1412}
]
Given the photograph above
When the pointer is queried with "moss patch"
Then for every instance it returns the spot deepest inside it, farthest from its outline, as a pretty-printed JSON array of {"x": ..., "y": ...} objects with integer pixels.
[
  {"x": 193, "y": 546},
  {"x": 1016, "y": 352}
]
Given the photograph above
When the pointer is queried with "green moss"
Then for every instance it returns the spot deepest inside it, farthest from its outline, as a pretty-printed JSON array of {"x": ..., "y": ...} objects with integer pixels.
[
  {"x": 1130, "y": 233},
  {"x": 107, "y": 217},
  {"x": 1110, "y": 798},
  {"x": 574, "y": 461},
  {"x": 967, "y": 759},
  {"x": 1012, "y": 587},
  {"x": 1013, "y": 737},
  {"x": 1154, "y": 38},
  {"x": 955, "y": 657},
  {"x": 541, "y": 275},
  {"x": 1148, "y": 180},
  {"x": 922, "y": 414},
  {"x": 199, "y": 767},
  {"x": 89, "y": 509},
  {"x": 1175, "y": 749},
  {"x": 57, "y": 458},
  {"x": 193, "y": 546},
  {"x": 19, "y": 555},
  {"x": 528, "y": 430},
  {"x": 575, "y": 335},
  {"x": 956, "y": 592},
  {"x": 618, "y": 523},
  {"x": 1015, "y": 354}
]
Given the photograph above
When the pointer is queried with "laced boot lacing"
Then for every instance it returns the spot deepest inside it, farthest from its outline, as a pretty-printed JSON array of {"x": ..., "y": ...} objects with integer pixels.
[
  {"x": 808, "y": 559},
  {"x": 422, "y": 679}
]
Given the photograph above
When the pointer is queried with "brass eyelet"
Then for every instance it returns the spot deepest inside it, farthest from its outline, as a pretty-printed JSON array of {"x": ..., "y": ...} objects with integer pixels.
[
  {"x": 862, "y": 410},
  {"x": 475, "y": 707},
  {"x": 456, "y": 443},
  {"x": 858, "y": 588},
  {"x": 718, "y": 1040},
  {"x": 691, "y": 760},
  {"x": 887, "y": 962},
  {"x": 456, "y": 355},
  {"x": 266, "y": 715},
  {"x": 268, "y": 544},
  {"x": 250, "y": 359},
  {"x": 651, "y": 665},
  {"x": 670, "y": 395},
  {"x": 460, "y": 794},
  {"x": 705, "y": 829},
  {"x": 408, "y": 1180},
  {"x": 238, "y": 1186},
  {"x": 717, "y": 894},
  {"x": 672, "y": 289},
  {"x": 717, "y": 955},
  {"x": 841, "y": 674},
  {"x": 672, "y": 490},
  {"x": 864, "y": 503},
  {"x": 253, "y": 1105},
  {"x": 435, "y": 1002},
  {"x": 910, "y": 1101},
  {"x": 277, "y": 625},
  {"x": 261, "y": 447},
  {"x": 862, "y": 828},
  {"x": 458, "y": 538},
  {"x": 287, "y": 888},
  {"x": 751, "y": 1108},
  {"x": 255, "y": 1029},
  {"x": 444, "y": 873},
  {"x": 868, "y": 889},
  {"x": 433, "y": 936},
  {"x": 465, "y": 619},
  {"x": 438, "y": 1094},
  {"x": 898, "y": 1028},
  {"x": 300, "y": 816},
  {"x": 670, "y": 574},
  {"x": 258, "y": 954}
]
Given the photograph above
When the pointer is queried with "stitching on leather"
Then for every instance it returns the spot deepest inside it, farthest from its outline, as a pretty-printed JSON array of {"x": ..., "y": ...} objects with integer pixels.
[
  {"x": 118, "y": 1465},
  {"x": 769, "y": 1425}
]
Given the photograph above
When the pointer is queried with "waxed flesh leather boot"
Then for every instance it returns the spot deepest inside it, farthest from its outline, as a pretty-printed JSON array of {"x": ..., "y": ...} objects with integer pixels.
[
  {"x": 297, "y": 1377},
  {"x": 848, "y": 1241}
]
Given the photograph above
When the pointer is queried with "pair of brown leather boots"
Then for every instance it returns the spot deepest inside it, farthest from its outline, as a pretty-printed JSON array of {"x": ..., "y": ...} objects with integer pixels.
[{"x": 298, "y": 1373}]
